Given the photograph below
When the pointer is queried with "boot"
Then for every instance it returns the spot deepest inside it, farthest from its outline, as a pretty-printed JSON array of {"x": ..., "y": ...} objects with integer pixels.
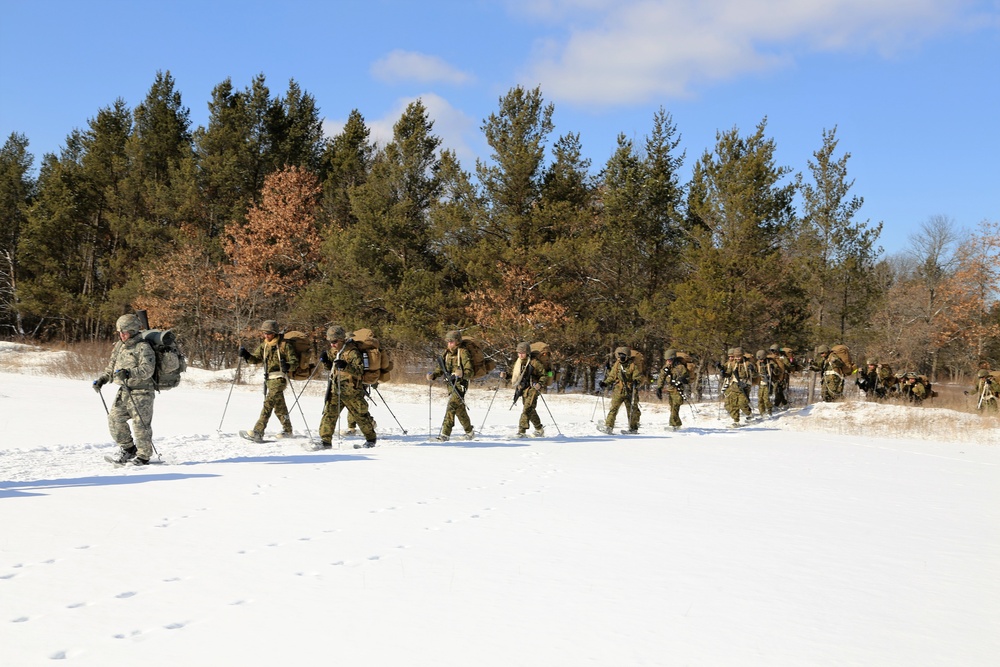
[{"x": 124, "y": 455}]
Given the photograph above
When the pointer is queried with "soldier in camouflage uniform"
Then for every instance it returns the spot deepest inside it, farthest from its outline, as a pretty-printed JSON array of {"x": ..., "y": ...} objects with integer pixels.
[
  {"x": 738, "y": 374},
  {"x": 345, "y": 389},
  {"x": 832, "y": 369},
  {"x": 277, "y": 358},
  {"x": 673, "y": 377},
  {"x": 875, "y": 380},
  {"x": 131, "y": 367},
  {"x": 456, "y": 365},
  {"x": 782, "y": 359},
  {"x": 624, "y": 378},
  {"x": 528, "y": 376},
  {"x": 769, "y": 374}
]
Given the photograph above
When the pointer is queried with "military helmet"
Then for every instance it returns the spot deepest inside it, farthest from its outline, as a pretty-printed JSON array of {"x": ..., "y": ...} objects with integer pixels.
[
  {"x": 269, "y": 326},
  {"x": 336, "y": 332},
  {"x": 731, "y": 352},
  {"x": 670, "y": 354},
  {"x": 737, "y": 351},
  {"x": 823, "y": 349},
  {"x": 455, "y": 336},
  {"x": 774, "y": 348},
  {"x": 983, "y": 373},
  {"x": 872, "y": 362},
  {"x": 129, "y": 323},
  {"x": 523, "y": 347},
  {"x": 761, "y": 354}
]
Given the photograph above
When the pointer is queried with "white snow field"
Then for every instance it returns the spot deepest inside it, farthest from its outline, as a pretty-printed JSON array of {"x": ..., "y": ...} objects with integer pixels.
[{"x": 798, "y": 540}]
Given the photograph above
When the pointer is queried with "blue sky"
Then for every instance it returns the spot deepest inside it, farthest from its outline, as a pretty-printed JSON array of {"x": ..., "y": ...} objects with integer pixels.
[{"x": 913, "y": 86}]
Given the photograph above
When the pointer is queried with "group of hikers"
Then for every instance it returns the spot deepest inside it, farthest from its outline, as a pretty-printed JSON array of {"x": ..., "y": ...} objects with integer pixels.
[{"x": 347, "y": 361}]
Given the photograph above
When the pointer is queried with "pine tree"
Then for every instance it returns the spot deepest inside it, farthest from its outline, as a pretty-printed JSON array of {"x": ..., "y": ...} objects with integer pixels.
[{"x": 17, "y": 192}]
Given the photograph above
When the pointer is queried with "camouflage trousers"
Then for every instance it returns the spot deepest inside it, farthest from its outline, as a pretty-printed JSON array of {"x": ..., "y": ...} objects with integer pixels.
[
  {"x": 353, "y": 400},
  {"x": 833, "y": 387},
  {"x": 675, "y": 399},
  {"x": 764, "y": 404},
  {"x": 136, "y": 405},
  {"x": 456, "y": 409},
  {"x": 620, "y": 396},
  {"x": 780, "y": 398},
  {"x": 274, "y": 401},
  {"x": 529, "y": 412},
  {"x": 736, "y": 401}
]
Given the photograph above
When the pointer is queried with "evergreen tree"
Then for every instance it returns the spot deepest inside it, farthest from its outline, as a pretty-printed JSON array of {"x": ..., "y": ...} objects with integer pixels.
[
  {"x": 741, "y": 218},
  {"x": 17, "y": 192},
  {"x": 838, "y": 251}
]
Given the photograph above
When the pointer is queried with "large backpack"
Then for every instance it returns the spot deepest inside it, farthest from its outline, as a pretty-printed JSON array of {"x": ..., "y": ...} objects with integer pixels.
[
  {"x": 543, "y": 353},
  {"x": 303, "y": 346},
  {"x": 844, "y": 353},
  {"x": 376, "y": 361},
  {"x": 170, "y": 362},
  {"x": 639, "y": 359},
  {"x": 481, "y": 365},
  {"x": 690, "y": 362}
]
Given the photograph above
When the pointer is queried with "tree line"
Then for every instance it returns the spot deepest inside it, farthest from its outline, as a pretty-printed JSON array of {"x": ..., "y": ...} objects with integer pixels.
[{"x": 258, "y": 215}]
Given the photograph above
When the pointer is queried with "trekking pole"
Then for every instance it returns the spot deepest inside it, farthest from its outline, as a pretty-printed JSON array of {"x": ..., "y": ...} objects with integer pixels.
[
  {"x": 302, "y": 391},
  {"x": 303, "y": 414},
  {"x": 430, "y": 387},
  {"x": 545, "y": 403},
  {"x": 388, "y": 408},
  {"x": 236, "y": 374},
  {"x": 490, "y": 407},
  {"x": 142, "y": 421},
  {"x": 106, "y": 411}
]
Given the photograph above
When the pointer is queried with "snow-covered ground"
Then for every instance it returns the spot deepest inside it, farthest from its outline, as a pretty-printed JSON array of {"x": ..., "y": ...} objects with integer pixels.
[{"x": 800, "y": 540}]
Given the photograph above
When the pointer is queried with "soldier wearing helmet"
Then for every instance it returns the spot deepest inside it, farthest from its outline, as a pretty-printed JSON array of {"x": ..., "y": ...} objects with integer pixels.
[
  {"x": 736, "y": 377},
  {"x": 769, "y": 374},
  {"x": 781, "y": 359},
  {"x": 278, "y": 358},
  {"x": 346, "y": 362},
  {"x": 833, "y": 370},
  {"x": 624, "y": 377},
  {"x": 455, "y": 365},
  {"x": 131, "y": 367},
  {"x": 674, "y": 377}
]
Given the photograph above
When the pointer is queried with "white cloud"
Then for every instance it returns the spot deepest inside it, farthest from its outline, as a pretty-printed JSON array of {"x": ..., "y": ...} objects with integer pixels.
[
  {"x": 455, "y": 128},
  {"x": 399, "y": 65},
  {"x": 635, "y": 50}
]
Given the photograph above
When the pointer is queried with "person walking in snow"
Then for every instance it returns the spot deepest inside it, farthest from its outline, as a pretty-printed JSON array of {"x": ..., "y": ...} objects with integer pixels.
[
  {"x": 455, "y": 365},
  {"x": 131, "y": 367},
  {"x": 987, "y": 391},
  {"x": 624, "y": 377},
  {"x": 673, "y": 378},
  {"x": 528, "y": 377},
  {"x": 345, "y": 390},
  {"x": 737, "y": 375},
  {"x": 833, "y": 370},
  {"x": 278, "y": 358}
]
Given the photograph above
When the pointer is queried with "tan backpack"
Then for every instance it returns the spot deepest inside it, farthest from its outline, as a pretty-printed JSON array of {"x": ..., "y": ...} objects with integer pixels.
[
  {"x": 844, "y": 354},
  {"x": 376, "y": 361},
  {"x": 481, "y": 365},
  {"x": 303, "y": 346}
]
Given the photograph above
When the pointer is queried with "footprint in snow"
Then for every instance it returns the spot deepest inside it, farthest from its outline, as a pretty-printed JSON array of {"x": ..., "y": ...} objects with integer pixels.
[
  {"x": 20, "y": 619},
  {"x": 126, "y": 595}
]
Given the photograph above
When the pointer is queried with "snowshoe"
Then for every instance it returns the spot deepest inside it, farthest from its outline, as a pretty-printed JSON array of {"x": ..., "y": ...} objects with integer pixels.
[{"x": 252, "y": 436}]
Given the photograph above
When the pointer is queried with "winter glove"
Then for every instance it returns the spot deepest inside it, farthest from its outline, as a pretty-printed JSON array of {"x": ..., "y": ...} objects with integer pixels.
[
  {"x": 430, "y": 377},
  {"x": 602, "y": 384},
  {"x": 340, "y": 364},
  {"x": 100, "y": 382},
  {"x": 324, "y": 358},
  {"x": 123, "y": 373},
  {"x": 659, "y": 393},
  {"x": 283, "y": 365},
  {"x": 244, "y": 354},
  {"x": 536, "y": 386}
]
